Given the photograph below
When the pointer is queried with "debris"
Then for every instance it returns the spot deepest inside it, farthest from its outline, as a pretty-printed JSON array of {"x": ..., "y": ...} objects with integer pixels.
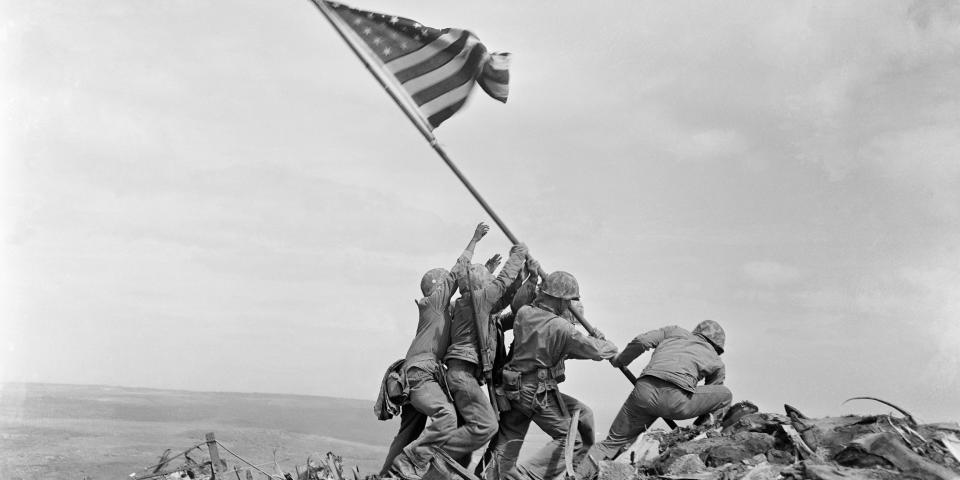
[
  {"x": 886, "y": 450},
  {"x": 737, "y": 411},
  {"x": 752, "y": 445},
  {"x": 764, "y": 471},
  {"x": 952, "y": 443},
  {"x": 905, "y": 413},
  {"x": 802, "y": 448},
  {"x": 609, "y": 470},
  {"x": 689, "y": 463},
  {"x": 644, "y": 452},
  {"x": 792, "y": 412}
]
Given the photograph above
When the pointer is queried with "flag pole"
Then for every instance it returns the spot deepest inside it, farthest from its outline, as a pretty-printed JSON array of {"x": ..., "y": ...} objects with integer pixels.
[
  {"x": 418, "y": 121},
  {"x": 412, "y": 114}
]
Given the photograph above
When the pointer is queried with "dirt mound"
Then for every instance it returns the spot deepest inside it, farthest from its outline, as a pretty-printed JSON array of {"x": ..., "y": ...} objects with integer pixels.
[{"x": 753, "y": 445}]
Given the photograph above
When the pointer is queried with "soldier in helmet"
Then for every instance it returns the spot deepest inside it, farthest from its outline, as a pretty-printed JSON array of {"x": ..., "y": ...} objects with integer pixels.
[
  {"x": 668, "y": 387},
  {"x": 480, "y": 295},
  {"x": 428, "y": 395},
  {"x": 542, "y": 340}
]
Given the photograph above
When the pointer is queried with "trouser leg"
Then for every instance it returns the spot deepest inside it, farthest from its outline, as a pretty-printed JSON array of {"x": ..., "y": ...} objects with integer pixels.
[
  {"x": 428, "y": 398},
  {"x": 635, "y": 415},
  {"x": 506, "y": 445},
  {"x": 412, "y": 423},
  {"x": 548, "y": 462},
  {"x": 479, "y": 419},
  {"x": 705, "y": 399}
]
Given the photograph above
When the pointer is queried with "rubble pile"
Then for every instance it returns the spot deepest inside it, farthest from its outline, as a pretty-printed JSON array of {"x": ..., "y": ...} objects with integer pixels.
[
  {"x": 752, "y": 445},
  {"x": 745, "y": 444}
]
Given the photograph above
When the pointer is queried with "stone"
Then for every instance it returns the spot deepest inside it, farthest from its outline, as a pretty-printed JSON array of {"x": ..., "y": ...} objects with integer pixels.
[
  {"x": 780, "y": 457},
  {"x": 610, "y": 470},
  {"x": 764, "y": 471},
  {"x": 689, "y": 463},
  {"x": 740, "y": 447}
]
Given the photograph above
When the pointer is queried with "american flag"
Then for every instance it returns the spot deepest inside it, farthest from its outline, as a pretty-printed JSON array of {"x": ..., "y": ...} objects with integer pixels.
[{"x": 436, "y": 68}]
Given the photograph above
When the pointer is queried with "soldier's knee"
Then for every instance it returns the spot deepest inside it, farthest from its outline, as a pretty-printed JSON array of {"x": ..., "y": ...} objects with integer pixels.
[
  {"x": 726, "y": 397},
  {"x": 445, "y": 419}
]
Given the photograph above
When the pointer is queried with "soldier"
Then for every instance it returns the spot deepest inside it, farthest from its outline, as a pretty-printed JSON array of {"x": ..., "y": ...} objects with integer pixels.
[
  {"x": 668, "y": 385},
  {"x": 480, "y": 294},
  {"x": 542, "y": 340},
  {"x": 428, "y": 394}
]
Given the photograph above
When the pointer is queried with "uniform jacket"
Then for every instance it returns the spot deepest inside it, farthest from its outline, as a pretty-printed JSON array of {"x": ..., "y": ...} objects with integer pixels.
[
  {"x": 463, "y": 334},
  {"x": 679, "y": 357},
  {"x": 432, "y": 340},
  {"x": 543, "y": 340}
]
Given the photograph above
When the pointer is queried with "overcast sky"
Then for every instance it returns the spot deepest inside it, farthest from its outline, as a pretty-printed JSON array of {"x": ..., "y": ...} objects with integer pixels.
[{"x": 215, "y": 195}]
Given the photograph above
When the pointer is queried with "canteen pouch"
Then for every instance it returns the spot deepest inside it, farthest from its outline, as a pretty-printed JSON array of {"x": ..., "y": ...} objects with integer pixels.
[
  {"x": 503, "y": 403},
  {"x": 512, "y": 382}
]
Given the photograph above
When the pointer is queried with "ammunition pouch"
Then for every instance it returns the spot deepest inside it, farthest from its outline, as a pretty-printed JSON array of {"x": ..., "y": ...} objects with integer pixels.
[
  {"x": 512, "y": 383},
  {"x": 546, "y": 381}
]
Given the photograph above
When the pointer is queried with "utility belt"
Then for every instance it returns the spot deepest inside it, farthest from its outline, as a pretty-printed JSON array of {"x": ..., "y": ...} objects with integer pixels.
[
  {"x": 545, "y": 379},
  {"x": 398, "y": 386}
]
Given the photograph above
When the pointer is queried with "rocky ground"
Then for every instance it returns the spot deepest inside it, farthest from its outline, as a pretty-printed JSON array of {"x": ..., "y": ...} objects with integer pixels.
[{"x": 752, "y": 445}]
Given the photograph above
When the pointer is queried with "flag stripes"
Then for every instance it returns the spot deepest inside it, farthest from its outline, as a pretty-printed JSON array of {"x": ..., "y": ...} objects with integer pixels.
[{"x": 435, "y": 68}]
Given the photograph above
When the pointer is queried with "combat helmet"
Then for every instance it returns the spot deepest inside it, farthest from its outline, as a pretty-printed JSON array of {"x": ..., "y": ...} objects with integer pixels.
[
  {"x": 561, "y": 285},
  {"x": 713, "y": 333},
  {"x": 431, "y": 279}
]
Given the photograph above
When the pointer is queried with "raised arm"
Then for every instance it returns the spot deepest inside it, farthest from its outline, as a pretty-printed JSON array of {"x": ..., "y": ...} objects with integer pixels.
[
  {"x": 640, "y": 344},
  {"x": 580, "y": 346},
  {"x": 478, "y": 234},
  {"x": 508, "y": 274},
  {"x": 463, "y": 262}
]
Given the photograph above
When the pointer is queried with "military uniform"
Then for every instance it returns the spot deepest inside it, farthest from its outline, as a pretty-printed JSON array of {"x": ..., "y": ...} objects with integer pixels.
[
  {"x": 542, "y": 340},
  {"x": 667, "y": 387},
  {"x": 464, "y": 368},
  {"x": 424, "y": 376}
]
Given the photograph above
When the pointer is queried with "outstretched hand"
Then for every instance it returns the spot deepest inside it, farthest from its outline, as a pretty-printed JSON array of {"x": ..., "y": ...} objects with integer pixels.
[
  {"x": 533, "y": 266},
  {"x": 480, "y": 232},
  {"x": 493, "y": 263},
  {"x": 615, "y": 361}
]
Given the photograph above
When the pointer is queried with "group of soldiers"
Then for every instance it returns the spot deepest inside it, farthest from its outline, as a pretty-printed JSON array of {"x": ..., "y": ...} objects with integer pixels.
[{"x": 438, "y": 388}]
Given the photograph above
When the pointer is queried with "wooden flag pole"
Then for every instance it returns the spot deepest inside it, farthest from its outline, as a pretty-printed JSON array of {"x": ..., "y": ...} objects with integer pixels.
[
  {"x": 377, "y": 71},
  {"x": 424, "y": 128}
]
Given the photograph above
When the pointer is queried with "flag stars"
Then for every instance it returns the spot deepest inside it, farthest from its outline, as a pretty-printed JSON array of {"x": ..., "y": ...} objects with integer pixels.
[
  {"x": 377, "y": 40},
  {"x": 394, "y": 20},
  {"x": 357, "y": 21},
  {"x": 386, "y": 51},
  {"x": 403, "y": 45},
  {"x": 367, "y": 31}
]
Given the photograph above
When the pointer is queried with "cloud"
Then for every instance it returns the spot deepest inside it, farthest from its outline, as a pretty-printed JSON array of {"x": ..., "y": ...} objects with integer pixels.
[
  {"x": 769, "y": 273},
  {"x": 922, "y": 162}
]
